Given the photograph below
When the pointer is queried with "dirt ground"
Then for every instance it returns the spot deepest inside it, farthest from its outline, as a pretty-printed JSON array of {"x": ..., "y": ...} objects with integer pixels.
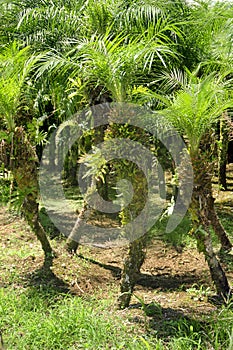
[{"x": 178, "y": 281}]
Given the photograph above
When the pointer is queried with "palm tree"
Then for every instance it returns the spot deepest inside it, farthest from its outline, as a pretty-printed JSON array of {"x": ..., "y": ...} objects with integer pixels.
[
  {"x": 110, "y": 65},
  {"x": 118, "y": 51},
  {"x": 41, "y": 24},
  {"x": 194, "y": 110},
  {"x": 17, "y": 152},
  {"x": 221, "y": 59}
]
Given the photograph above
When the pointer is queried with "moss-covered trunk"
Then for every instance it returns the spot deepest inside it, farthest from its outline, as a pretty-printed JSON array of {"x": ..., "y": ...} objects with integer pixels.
[
  {"x": 203, "y": 174},
  {"x": 205, "y": 246},
  {"x": 217, "y": 226},
  {"x": 202, "y": 209},
  {"x": 131, "y": 269},
  {"x": 137, "y": 246},
  {"x": 30, "y": 210},
  {"x": 24, "y": 165},
  {"x": 138, "y": 234},
  {"x": 72, "y": 242}
]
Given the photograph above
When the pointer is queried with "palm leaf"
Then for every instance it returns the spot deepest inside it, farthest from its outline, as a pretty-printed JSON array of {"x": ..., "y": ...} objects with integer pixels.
[
  {"x": 198, "y": 105},
  {"x": 15, "y": 65}
]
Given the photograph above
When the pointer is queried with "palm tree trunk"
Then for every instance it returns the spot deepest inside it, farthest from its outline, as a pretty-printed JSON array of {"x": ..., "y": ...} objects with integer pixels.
[
  {"x": 137, "y": 247},
  {"x": 72, "y": 241},
  {"x": 132, "y": 265},
  {"x": 24, "y": 169},
  {"x": 202, "y": 179},
  {"x": 201, "y": 210},
  {"x": 204, "y": 241},
  {"x": 217, "y": 273},
  {"x": 217, "y": 226},
  {"x": 30, "y": 210}
]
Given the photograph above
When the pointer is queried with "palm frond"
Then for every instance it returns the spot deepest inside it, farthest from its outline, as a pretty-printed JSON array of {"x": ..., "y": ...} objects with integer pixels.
[
  {"x": 172, "y": 80},
  {"x": 15, "y": 65},
  {"x": 197, "y": 106},
  {"x": 48, "y": 25}
]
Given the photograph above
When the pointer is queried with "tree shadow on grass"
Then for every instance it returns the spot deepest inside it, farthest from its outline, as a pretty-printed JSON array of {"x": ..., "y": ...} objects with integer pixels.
[
  {"x": 166, "y": 282},
  {"x": 176, "y": 324},
  {"x": 168, "y": 323},
  {"x": 163, "y": 282},
  {"x": 116, "y": 271},
  {"x": 44, "y": 279}
]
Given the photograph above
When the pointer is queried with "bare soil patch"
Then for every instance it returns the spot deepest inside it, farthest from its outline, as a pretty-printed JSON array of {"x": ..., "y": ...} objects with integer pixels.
[{"x": 166, "y": 278}]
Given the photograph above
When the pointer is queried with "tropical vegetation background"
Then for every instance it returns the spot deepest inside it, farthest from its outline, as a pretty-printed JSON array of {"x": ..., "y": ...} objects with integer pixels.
[{"x": 174, "y": 58}]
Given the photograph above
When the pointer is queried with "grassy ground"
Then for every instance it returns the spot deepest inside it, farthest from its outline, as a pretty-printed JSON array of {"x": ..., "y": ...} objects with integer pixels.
[{"x": 72, "y": 306}]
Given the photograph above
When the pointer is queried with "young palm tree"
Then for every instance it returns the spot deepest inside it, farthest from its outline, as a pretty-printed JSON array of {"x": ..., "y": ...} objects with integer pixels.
[
  {"x": 41, "y": 24},
  {"x": 221, "y": 59},
  {"x": 194, "y": 111},
  {"x": 17, "y": 152},
  {"x": 112, "y": 64}
]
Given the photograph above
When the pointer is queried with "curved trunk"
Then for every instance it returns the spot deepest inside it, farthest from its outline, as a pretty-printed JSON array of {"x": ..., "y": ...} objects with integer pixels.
[
  {"x": 205, "y": 246},
  {"x": 30, "y": 212},
  {"x": 203, "y": 215},
  {"x": 202, "y": 180},
  {"x": 218, "y": 228},
  {"x": 23, "y": 165},
  {"x": 72, "y": 241},
  {"x": 217, "y": 274}
]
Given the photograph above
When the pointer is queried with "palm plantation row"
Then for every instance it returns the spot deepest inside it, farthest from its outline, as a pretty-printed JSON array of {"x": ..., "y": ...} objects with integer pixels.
[{"x": 58, "y": 58}]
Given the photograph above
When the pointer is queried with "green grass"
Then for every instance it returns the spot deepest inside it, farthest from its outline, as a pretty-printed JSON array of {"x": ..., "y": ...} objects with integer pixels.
[
  {"x": 34, "y": 319},
  {"x": 43, "y": 318}
]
